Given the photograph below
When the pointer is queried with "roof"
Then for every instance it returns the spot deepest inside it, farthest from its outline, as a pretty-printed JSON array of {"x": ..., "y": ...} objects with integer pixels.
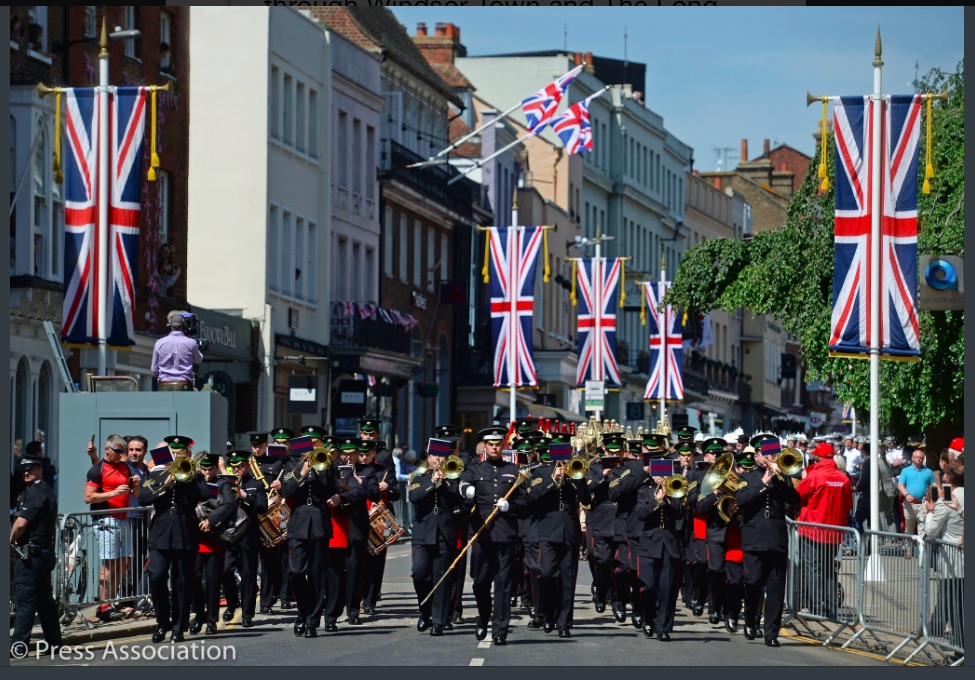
[{"x": 376, "y": 29}]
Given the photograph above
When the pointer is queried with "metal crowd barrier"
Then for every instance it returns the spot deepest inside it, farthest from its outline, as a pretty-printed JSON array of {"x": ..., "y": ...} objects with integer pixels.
[
  {"x": 101, "y": 559},
  {"x": 942, "y": 600}
]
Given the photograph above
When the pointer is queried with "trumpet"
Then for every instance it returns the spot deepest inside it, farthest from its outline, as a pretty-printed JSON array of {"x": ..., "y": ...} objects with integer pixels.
[
  {"x": 676, "y": 486},
  {"x": 320, "y": 461},
  {"x": 576, "y": 468},
  {"x": 452, "y": 467},
  {"x": 789, "y": 462}
]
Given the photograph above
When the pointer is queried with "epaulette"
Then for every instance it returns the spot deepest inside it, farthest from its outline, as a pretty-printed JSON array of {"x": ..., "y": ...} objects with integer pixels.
[{"x": 537, "y": 480}]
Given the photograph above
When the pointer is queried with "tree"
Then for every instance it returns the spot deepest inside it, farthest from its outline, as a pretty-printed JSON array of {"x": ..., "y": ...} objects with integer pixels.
[{"x": 788, "y": 273}]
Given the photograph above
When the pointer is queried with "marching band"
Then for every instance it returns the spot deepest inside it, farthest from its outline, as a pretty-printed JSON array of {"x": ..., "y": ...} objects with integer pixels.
[{"x": 653, "y": 519}]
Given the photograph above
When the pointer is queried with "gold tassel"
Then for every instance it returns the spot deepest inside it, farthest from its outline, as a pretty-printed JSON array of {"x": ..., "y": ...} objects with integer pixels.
[
  {"x": 487, "y": 255},
  {"x": 622, "y": 283},
  {"x": 824, "y": 185},
  {"x": 572, "y": 296},
  {"x": 154, "y": 157},
  {"x": 58, "y": 175},
  {"x": 643, "y": 306},
  {"x": 545, "y": 245},
  {"x": 929, "y": 168}
]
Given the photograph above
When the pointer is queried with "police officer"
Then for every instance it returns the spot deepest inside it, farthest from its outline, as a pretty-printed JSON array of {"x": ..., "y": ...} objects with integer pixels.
[
  {"x": 173, "y": 541},
  {"x": 624, "y": 483},
  {"x": 434, "y": 542},
  {"x": 764, "y": 540},
  {"x": 32, "y": 546},
  {"x": 484, "y": 486},
  {"x": 252, "y": 497}
]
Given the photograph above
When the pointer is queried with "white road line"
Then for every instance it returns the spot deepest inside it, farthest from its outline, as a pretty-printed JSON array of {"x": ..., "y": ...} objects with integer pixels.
[
  {"x": 484, "y": 644},
  {"x": 477, "y": 662}
]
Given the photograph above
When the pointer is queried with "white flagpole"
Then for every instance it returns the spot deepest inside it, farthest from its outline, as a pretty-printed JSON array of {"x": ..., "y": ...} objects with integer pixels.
[
  {"x": 597, "y": 344},
  {"x": 514, "y": 258},
  {"x": 662, "y": 321},
  {"x": 482, "y": 161},
  {"x": 102, "y": 240}
]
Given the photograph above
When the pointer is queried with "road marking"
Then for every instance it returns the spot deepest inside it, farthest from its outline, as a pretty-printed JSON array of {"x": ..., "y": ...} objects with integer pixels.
[
  {"x": 477, "y": 662},
  {"x": 484, "y": 644}
]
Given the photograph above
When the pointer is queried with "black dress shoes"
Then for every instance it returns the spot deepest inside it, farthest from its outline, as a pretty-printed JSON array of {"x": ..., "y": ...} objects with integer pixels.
[
  {"x": 354, "y": 619},
  {"x": 311, "y": 632},
  {"x": 159, "y": 635},
  {"x": 449, "y": 626},
  {"x": 535, "y": 624},
  {"x": 299, "y": 628},
  {"x": 697, "y": 608},
  {"x": 480, "y": 630},
  {"x": 564, "y": 632},
  {"x": 600, "y": 607},
  {"x": 500, "y": 639},
  {"x": 663, "y": 637},
  {"x": 436, "y": 631},
  {"x": 211, "y": 629},
  {"x": 619, "y": 611},
  {"x": 750, "y": 632},
  {"x": 548, "y": 626},
  {"x": 772, "y": 642},
  {"x": 228, "y": 614},
  {"x": 458, "y": 618},
  {"x": 330, "y": 627},
  {"x": 714, "y": 618},
  {"x": 422, "y": 624},
  {"x": 514, "y": 600},
  {"x": 265, "y": 610},
  {"x": 636, "y": 621},
  {"x": 247, "y": 622},
  {"x": 196, "y": 626},
  {"x": 177, "y": 636},
  {"x": 648, "y": 630},
  {"x": 371, "y": 611},
  {"x": 286, "y": 604},
  {"x": 730, "y": 624}
]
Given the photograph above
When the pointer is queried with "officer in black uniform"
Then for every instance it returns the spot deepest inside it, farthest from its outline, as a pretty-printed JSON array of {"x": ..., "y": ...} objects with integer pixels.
[
  {"x": 554, "y": 501},
  {"x": 624, "y": 483},
  {"x": 434, "y": 542},
  {"x": 374, "y": 566},
  {"x": 32, "y": 547},
  {"x": 315, "y": 495},
  {"x": 173, "y": 541},
  {"x": 273, "y": 470},
  {"x": 600, "y": 519},
  {"x": 454, "y": 434},
  {"x": 765, "y": 542},
  {"x": 212, "y": 556},
  {"x": 484, "y": 486},
  {"x": 252, "y": 497}
]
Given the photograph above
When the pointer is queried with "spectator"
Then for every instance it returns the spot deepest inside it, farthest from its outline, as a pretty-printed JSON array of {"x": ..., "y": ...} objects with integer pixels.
[
  {"x": 403, "y": 471},
  {"x": 914, "y": 483},
  {"x": 957, "y": 448},
  {"x": 886, "y": 499},
  {"x": 825, "y": 498},
  {"x": 138, "y": 446},
  {"x": 945, "y": 521},
  {"x": 110, "y": 485},
  {"x": 851, "y": 454},
  {"x": 174, "y": 358}
]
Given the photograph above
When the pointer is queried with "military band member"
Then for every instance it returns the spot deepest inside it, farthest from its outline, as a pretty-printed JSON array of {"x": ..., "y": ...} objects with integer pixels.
[
  {"x": 212, "y": 555},
  {"x": 173, "y": 541},
  {"x": 524, "y": 562},
  {"x": 434, "y": 542},
  {"x": 354, "y": 473},
  {"x": 282, "y": 436},
  {"x": 709, "y": 530},
  {"x": 624, "y": 483},
  {"x": 273, "y": 470},
  {"x": 252, "y": 497},
  {"x": 695, "y": 551},
  {"x": 454, "y": 434},
  {"x": 658, "y": 557},
  {"x": 374, "y": 566},
  {"x": 600, "y": 520},
  {"x": 484, "y": 485},
  {"x": 764, "y": 540}
]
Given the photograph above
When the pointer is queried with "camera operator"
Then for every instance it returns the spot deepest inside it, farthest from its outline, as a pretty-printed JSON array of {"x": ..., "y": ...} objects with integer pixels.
[{"x": 175, "y": 356}]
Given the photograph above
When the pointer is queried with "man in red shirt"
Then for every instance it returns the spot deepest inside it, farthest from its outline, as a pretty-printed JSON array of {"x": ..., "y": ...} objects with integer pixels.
[
  {"x": 826, "y": 498},
  {"x": 109, "y": 485}
]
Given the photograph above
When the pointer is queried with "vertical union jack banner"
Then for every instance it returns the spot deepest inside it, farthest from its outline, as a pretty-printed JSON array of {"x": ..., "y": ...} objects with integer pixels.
[
  {"x": 540, "y": 107},
  {"x": 82, "y": 287},
  {"x": 899, "y": 333},
  {"x": 598, "y": 281},
  {"x": 666, "y": 346},
  {"x": 513, "y": 256}
]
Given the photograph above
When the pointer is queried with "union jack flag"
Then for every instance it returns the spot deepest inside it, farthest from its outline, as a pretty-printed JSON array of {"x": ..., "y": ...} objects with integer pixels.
[
  {"x": 666, "y": 352},
  {"x": 852, "y": 297},
  {"x": 849, "y": 413},
  {"x": 598, "y": 280},
  {"x": 514, "y": 252},
  {"x": 82, "y": 287},
  {"x": 539, "y": 108},
  {"x": 573, "y": 127}
]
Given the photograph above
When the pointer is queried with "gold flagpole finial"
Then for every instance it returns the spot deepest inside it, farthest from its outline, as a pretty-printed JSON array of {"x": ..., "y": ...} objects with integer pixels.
[
  {"x": 103, "y": 54},
  {"x": 877, "y": 50}
]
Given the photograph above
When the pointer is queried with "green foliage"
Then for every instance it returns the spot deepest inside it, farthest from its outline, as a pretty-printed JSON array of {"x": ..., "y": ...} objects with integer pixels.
[{"x": 788, "y": 273}]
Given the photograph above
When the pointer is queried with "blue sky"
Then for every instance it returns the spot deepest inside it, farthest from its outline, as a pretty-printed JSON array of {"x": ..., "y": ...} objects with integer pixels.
[{"x": 720, "y": 75}]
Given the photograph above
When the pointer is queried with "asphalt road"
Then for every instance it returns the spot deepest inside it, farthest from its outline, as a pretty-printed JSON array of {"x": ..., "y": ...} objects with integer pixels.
[{"x": 390, "y": 639}]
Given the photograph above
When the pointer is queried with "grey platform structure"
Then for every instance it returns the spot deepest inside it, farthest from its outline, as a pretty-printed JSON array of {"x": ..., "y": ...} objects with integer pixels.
[{"x": 154, "y": 415}]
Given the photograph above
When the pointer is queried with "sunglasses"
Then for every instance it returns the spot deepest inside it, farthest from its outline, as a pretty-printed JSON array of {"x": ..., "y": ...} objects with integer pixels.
[{"x": 116, "y": 450}]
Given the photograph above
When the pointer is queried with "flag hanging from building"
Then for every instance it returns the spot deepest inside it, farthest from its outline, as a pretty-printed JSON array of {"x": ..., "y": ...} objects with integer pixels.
[
  {"x": 666, "y": 353},
  {"x": 573, "y": 126},
  {"x": 513, "y": 254},
  {"x": 82, "y": 286},
  {"x": 539, "y": 108},
  {"x": 696, "y": 330},
  {"x": 850, "y": 324},
  {"x": 598, "y": 280}
]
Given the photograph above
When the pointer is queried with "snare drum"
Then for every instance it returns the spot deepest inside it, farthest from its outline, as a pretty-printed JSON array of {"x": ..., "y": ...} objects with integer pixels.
[
  {"x": 273, "y": 524},
  {"x": 384, "y": 530}
]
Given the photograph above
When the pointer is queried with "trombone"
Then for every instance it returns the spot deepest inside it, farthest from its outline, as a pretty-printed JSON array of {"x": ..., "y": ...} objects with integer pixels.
[
  {"x": 320, "y": 461},
  {"x": 788, "y": 462},
  {"x": 576, "y": 468},
  {"x": 452, "y": 467}
]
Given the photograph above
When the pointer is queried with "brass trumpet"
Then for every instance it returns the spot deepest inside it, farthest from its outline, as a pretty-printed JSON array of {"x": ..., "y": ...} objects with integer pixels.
[
  {"x": 789, "y": 461},
  {"x": 319, "y": 459},
  {"x": 676, "y": 486},
  {"x": 452, "y": 467},
  {"x": 576, "y": 468}
]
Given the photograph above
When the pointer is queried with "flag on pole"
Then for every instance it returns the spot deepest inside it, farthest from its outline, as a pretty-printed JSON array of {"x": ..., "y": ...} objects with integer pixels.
[
  {"x": 666, "y": 353},
  {"x": 558, "y": 452},
  {"x": 301, "y": 445},
  {"x": 573, "y": 126},
  {"x": 82, "y": 287},
  {"x": 598, "y": 280},
  {"x": 539, "y": 108},
  {"x": 850, "y": 324},
  {"x": 849, "y": 413},
  {"x": 513, "y": 256}
]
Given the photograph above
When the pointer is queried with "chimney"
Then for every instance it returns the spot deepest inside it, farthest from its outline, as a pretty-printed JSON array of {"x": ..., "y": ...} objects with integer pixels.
[
  {"x": 590, "y": 68},
  {"x": 744, "y": 151},
  {"x": 578, "y": 58},
  {"x": 421, "y": 30},
  {"x": 717, "y": 182},
  {"x": 765, "y": 149},
  {"x": 441, "y": 29},
  {"x": 453, "y": 32}
]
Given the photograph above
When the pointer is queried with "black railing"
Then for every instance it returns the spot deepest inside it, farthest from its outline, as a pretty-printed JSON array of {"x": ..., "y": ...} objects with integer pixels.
[
  {"x": 351, "y": 330},
  {"x": 430, "y": 180}
]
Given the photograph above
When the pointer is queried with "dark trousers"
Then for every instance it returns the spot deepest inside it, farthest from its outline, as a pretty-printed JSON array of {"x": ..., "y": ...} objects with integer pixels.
[
  {"x": 520, "y": 580},
  {"x": 284, "y": 592},
  {"x": 658, "y": 590},
  {"x": 734, "y": 589},
  {"x": 532, "y": 571},
  {"x": 242, "y": 560},
  {"x": 430, "y": 562},
  {"x": 172, "y": 569},
  {"x": 35, "y": 595},
  {"x": 271, "y": 574},
  {"x": 765, "y": 576},
  {"x": 625, "y": 581},
  {"x": 335, "y": 584},
  {"x": 206, "y": 587},
  {"x": 716, "y": 578},
  {"x": 697, "y": 571},
  {"x": 307, "y": 563},
  {"x": 374, "y": 566},
  {"x": 601, "y": 563},
  {"x": 354, "y": 572},
  {"x": 491, "y": 565},
  {"x": 460, "y": 571},
  {"x": 819, "y": 576},
  {"x": 558, "y": 563}
]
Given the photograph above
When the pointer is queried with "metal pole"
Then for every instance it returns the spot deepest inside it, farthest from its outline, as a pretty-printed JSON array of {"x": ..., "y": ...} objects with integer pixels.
[
  {"x": 663, "y": 321},
  {"x": 515, "y": 326},
  {"x": 597, "y": 300},
  {"x": 102, "y": 240}
]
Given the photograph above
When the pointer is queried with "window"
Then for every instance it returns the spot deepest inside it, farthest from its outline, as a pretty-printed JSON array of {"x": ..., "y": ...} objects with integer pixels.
[
  {"x": 341, "y": 137},
  {"x": 404, "y": 241},
  {"x": 37, "y": 16},
  {"x": 273, "y": 247},
  {"x": 300, "y": 118},
  {"x": 388, "y": 242},
  {"x": 431, "y": 270},
  {"x": 287, "y": 110},
  {"x": 40, "y": 216},
  {"x": 57, "y": 230},
  {"x": 287, "y": 259},
  {"x": 311, "y": 264},
  {"x": 299, "y": 274},
  {"x": 356, "y": 270},
  {"x": 357, "y": 156},
  {"x": 130, "y": 24},
  {"x": 91, "y": 21},
  {"x": 417, "y": 252},
  {"x": 162, "y": 200},
  {"x": 338, "y": 273},
  {"x": 313, "y": 123},
  {"x": 444, "y": 256},
  {"x": 369, "y": 271},
  {"x": 165, "y": 41},
  {"x": 371, "y": 162},
  {"x": 275, "y": 103}
]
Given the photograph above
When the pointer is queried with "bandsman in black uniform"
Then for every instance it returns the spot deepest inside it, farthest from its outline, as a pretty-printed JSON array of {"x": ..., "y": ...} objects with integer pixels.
[
  {"x": 374, "y": 566},
  {"x": 354, "y": 473},
  {"x": 315, "y": 496},
  {"x": 454, "y": 434},
  {"x": 273, "y": 470},
  {"x": 523, "y": 429},
  {"x": 709, "y": 529},
  {"x": 282, "y": 436},
  {"x": 174, "y": 537},
  {"x": 624, "y": 483},
  {"x": 554, "y": 501},
  {"x": 252, "y": 497},
  {"x": 434, "y": 542},
  {"x": 484, "y": 485},
  {"x": 765, "y": 541},
  {"x": 695, "y": 561},
  {"x": 525, "y": 566},
  {"x": 32, "y": 548},
  {"x": 600, "y": 520}
]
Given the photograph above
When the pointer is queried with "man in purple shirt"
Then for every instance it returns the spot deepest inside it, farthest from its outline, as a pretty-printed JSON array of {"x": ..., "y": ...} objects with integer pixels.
[{"x": 174, "y": 357}]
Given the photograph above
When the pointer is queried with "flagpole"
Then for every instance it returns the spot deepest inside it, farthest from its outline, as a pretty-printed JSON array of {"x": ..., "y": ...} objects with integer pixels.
[
  {"x": 481, "y": 162},
  {"x": 664, "y": 352},
  {"x": 102, "y": 237},
  {"x": 514, "y": 257},
  {"x": 876, "y": 117},
  {"x": 597, "y": 288}
]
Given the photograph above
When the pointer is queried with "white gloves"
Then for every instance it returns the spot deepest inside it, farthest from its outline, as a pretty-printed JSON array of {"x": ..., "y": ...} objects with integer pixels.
[
  {"x": 502, "y": 505},
  {"x": 469, "y": 491}
]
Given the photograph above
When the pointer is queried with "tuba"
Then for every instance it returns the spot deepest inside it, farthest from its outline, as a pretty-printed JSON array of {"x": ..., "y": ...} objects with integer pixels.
[
  {"x": 721, "y": 475},
  {"x": 727, "y": 507}
]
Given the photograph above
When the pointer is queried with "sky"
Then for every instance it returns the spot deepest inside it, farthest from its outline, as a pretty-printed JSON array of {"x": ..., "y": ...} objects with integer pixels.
[{"x": 720, "y": 75}]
